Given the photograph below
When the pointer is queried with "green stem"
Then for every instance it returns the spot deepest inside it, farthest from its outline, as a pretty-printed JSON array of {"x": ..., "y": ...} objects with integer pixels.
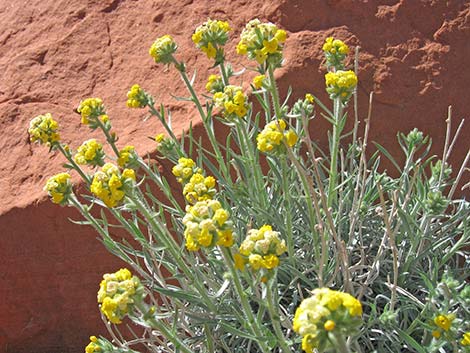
[
  {"x": 153, "y": 111},
  {"x": 339, "y": 342},
  {"x": 109, "y": 138},
  {"x": 334, "y": 148},
  {"x": 223, "y": 71},
  {"x": 275, "y": 93},
  {"x": 67, "y": 155},
  {"x": 207, "y": 127},
  {"x": 287, "y": 199},
  {"x": 168, "y": 334},
  {"x": 173, "y": 248},
  {"x": 273, "y": 306},
  {"x": 267, "y": 112},
  {"x": 252, "y": 322},
  {"x": 247, "y": 146},
  {"x": 160, "y": 184}
]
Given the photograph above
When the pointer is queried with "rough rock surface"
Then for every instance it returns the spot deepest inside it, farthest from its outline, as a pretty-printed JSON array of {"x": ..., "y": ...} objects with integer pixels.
[{"x": 414, "y": 56}]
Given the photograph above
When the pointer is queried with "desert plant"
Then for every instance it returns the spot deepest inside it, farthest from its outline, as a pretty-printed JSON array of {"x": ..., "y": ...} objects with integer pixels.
[{"x": 271, "y": 244}]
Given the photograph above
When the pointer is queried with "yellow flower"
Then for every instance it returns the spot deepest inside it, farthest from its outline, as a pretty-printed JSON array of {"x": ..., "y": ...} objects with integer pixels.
[
  {"x": 261, "y": 248},
  {"x": 110, "y": 185},
  {"x": 258, "y": 81},
  {"x": 270, "y": 261},
  {"x": 93, "y": 347},
  {"x": 90, "y": 109},
  {"x": 43, "y": 129},
  {"x": 214, "y": 84},
  {"x": 436, "y": 334},
  {"x": 465, "y": 339},
  {"x": 220, "y": 216},
  {"x": 136, "y": 97},
  {"x": 239, "y": 261},
  {"x": 335, "y": 51},
  {"x": 329, "y": 325},
  {"x": 444, "y": 321},
  {"x": 262, "y": 42},
  {"x": 256, "y": 261},
  {"x": 209, "y": 50},
  {"x": 91, "y": 153},
  {"x": 309, "y": 97},
  {"x": 211, "y": 36},
  {"x": 340, "y": 84},
  {"x": 207, "y": 224},
  {"x": 308, "y": 343},
  {"x": 126, "y": 156},
  {"x": 281, "y": 35},
  {"x": 242, "y": 49},
  {"x": 184, "y": 170},
  {"x": 118, "y": 292},
  {"x": 270, "y": 45},
  {"x": 59, "y": 188},
  {"x": 326, "y": 310},
  {"x": 225, "y": 238},
  {"x": 198, "y": 187},
  {"x": 162, "y": 49},
  {"x": 232, "y": 101},
  {"x": 271, "y": 139}
]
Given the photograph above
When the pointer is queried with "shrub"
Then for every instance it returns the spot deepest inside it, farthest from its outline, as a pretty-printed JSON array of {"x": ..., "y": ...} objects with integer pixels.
[{"x": 276, "y": 246}]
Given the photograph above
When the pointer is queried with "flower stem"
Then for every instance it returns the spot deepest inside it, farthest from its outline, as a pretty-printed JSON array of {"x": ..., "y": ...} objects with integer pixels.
[
  {"x": 206, "y": 123},
  {"x": 339, "y": 342},
  {"x": 274, "y": 314},
  {"x": 287, "y": 199},
  {"x": 274, "y": 92},
  {"x": 334, "y": 147},
  {"x": 172, "y": 336},
  {"x": 67, "y": 155},
  {"x": 252, "y": 322},
  {"x": 109, "y": 138},
  {"x": 223, "y": 71},
  {"x": 173, "y": 248}
]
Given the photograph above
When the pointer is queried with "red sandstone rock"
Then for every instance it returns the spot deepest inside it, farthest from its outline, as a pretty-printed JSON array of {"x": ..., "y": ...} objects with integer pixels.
[{"x": 414, "y": 56}]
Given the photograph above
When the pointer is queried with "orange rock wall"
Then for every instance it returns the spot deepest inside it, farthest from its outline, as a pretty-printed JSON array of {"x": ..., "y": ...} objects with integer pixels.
[{"x": 414, "y": 56}]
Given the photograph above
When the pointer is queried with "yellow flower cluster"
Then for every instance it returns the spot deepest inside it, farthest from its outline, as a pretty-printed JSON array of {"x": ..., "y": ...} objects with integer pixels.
[
  {"x": 126, "y": 156},
  {"x": 335, "y": 52},
  {"x": 162, "y": 49},
  {"x": 210, "y": 36},
  {"x": 341, "y": 84},
  {"x": 335, "y": 46},
  {"x": 214, "y": 84},
  {"x": 443, "y": 323},
  {"x": 258, "y": 81},
  {"x": 260, "y": 249},
  {"x": 271, "y": 139},
  {"x": 199, "y": 188},
  {"x": 93, "y": 346},
  {"x": 165, "y": 145},
  {"x": 59, "y": 187},
  {"x": 109, "y": 184},
  {"x": 43, "y": 129},
  {"x": 91, "y": 153},
  {"x": 136, "y": 97},
  {"x": 309, "y": 97},
  {"x": 232, "y": 101},
  {"x": 326, "y": 311},
  {"x": 118, "y": 292},
  {"x": 196, "y": 187},
  {"x": 90, "y": 109},
  {"x": 207, "y": 224},
  {"x": 185, "y": 169},
  {"x": 262, "y": 42}
]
